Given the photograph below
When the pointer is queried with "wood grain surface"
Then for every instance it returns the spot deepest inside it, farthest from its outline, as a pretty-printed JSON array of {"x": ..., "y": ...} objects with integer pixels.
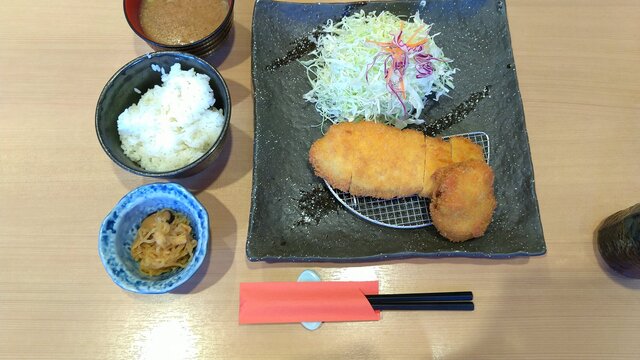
[{"x": 577, "y": 63}]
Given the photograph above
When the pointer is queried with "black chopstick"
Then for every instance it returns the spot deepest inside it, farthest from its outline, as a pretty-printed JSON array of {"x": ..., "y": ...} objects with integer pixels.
[
  {"x": 420, "y": 297},
  {"x": 451, "y": 306},
  {"x": 458, "y": 300}
]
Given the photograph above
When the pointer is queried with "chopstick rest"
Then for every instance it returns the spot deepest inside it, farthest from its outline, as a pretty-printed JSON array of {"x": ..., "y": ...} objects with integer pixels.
[
  {"x": 310, "y": 275},
  {"x": 292, "y": 302}
]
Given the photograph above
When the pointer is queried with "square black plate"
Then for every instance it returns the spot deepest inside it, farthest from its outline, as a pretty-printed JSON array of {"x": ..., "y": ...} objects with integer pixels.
[{"x": 285, "y": 223}]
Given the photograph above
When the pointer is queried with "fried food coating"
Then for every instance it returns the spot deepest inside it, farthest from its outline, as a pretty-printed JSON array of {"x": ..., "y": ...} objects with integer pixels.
[
  {"x": 463, "y": 201},
  {"x": 332, "y": 155},
  {"x": 370, "y": 159},
  {"x": 388, "y": 162},
  {"x": 463, "y": 149},
  {"x": 437, "y": 155},
  {"x": 441, "y": 154}
]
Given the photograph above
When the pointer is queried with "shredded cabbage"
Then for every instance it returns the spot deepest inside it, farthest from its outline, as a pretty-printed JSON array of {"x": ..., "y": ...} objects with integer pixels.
[{"x": 350, "y": 72}]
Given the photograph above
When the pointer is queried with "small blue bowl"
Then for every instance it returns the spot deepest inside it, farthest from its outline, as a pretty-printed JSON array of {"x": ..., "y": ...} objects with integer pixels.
[{"x": 119, "y": 229}]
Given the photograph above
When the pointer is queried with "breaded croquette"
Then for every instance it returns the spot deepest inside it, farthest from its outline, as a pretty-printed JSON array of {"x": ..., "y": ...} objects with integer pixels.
[{"x": 463, "y": 202}]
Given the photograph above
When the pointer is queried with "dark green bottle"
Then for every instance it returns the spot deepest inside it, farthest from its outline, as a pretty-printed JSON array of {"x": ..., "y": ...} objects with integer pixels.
[{"x": 619, "y": 241}]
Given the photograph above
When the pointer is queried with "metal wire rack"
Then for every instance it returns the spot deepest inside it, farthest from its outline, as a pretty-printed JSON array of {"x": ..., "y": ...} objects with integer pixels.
[{"x": 400, "y": 213}]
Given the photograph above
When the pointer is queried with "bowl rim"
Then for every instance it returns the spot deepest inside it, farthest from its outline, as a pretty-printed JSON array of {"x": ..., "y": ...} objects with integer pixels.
[
  {"x": 186, "y": 272},
  {"x": 192, "y": 46},
  {"x": 148, "y": 57}
]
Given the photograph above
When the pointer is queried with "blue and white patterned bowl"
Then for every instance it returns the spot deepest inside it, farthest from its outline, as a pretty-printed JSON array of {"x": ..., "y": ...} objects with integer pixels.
[{"x": 119, "y": 229}]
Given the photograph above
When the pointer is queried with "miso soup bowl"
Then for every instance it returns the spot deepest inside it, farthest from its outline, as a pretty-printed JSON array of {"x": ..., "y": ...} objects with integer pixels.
[
  {"x": 127, "y": 86},
  {"x": 201, "y": 47}
]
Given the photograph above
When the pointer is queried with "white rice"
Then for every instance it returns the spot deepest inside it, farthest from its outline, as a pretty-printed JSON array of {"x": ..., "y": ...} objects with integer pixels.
[{"x": 172, "y": 125}]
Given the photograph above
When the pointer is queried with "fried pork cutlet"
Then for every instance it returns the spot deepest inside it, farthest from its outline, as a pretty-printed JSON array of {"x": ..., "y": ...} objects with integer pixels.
[
  {"x": 463, "y": 149},
  {"x": 462, "y": 202},
  {"x": 437, "y": 155},
  {"x": 388, "y": 162},
  {"x": 441, "y": 153},
  {"x": 371, "y": 159},
  {"x": 332, "y": 155}
]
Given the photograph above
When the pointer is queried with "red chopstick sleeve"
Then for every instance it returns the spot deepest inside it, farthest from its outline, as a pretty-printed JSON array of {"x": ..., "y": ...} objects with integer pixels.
[{"x": 289, "y": 302}]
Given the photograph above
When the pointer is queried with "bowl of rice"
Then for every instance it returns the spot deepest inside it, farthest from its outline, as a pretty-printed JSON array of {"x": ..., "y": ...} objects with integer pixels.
[{"x": 164, "y": 115}]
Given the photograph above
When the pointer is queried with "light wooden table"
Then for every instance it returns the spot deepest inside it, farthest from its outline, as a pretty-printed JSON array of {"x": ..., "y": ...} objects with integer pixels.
[{"x": 578, "y": 71}]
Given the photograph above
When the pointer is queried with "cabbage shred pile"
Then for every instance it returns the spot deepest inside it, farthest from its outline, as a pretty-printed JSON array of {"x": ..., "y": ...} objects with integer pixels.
[{"x": 376, "y": 67}]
